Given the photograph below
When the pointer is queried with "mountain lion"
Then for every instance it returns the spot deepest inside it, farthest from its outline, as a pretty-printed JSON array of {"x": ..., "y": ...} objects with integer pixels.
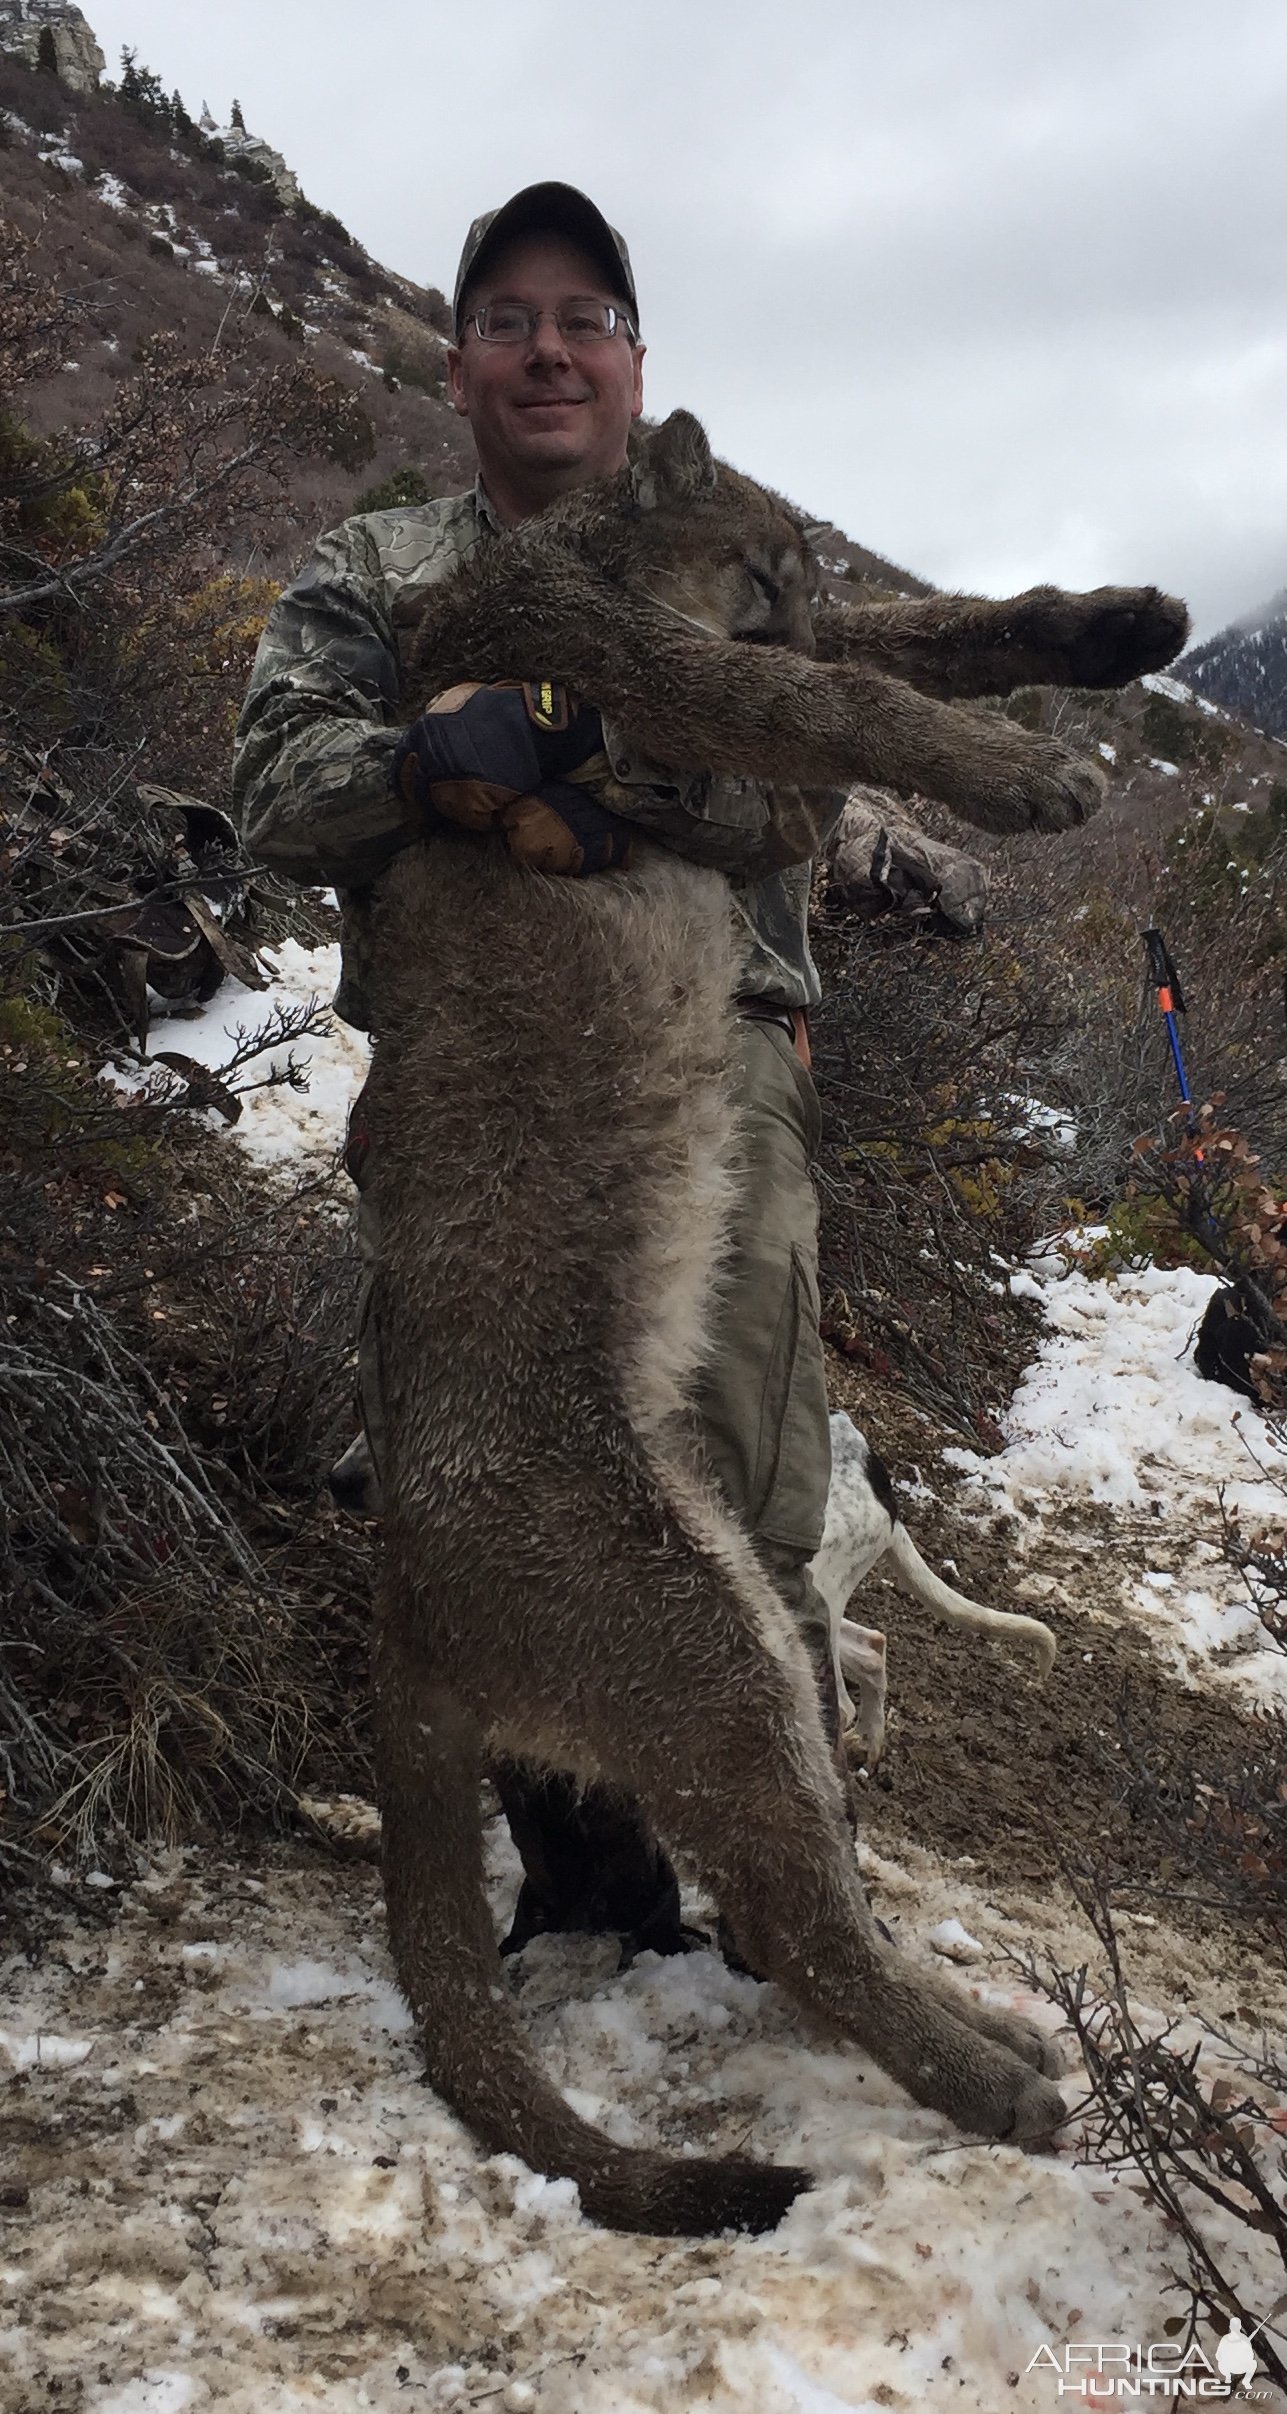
[{"x": 551, "y": 1143}]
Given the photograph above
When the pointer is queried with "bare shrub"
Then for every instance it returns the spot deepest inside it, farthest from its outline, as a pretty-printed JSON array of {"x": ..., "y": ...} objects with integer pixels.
[
  {"x": 184, "y": 1633},
  {"x": 1190, "y": 2139},
  {"x": 1202, "y": 2123},
  {"x": 933, "y": 1174},
  {"x": 184, "y": 1640}
]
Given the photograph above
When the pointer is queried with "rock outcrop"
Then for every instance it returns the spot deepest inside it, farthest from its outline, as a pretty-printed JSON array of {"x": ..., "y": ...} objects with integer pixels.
[
  {"x": 238, "y": 144},
  {"x": 80, "y": 61}
]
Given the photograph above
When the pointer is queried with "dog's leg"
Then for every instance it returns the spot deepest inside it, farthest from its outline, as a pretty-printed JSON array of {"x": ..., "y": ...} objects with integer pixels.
[
  {"x": 476, "y": 2052},
  {"x": 860, "y": 1652}
]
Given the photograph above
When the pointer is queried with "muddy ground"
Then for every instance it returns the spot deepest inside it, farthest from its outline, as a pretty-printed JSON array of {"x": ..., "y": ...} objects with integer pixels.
[{"x": 1092, "y": 1769}]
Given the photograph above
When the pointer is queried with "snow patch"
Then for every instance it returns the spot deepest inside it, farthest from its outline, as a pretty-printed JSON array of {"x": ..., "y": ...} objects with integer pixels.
[
  {"x": 1113, "y": 1411},
  {"x": 42, "y": 2049},
  {"x": 278, "y": 1127}
]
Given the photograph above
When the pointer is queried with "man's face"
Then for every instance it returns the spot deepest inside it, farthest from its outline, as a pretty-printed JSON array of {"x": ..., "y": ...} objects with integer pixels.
[{"x": 547, "y": 416}]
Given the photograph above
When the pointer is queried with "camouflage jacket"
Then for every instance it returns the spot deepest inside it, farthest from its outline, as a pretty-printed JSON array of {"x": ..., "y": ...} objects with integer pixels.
[{"x": 322, "y": 717}]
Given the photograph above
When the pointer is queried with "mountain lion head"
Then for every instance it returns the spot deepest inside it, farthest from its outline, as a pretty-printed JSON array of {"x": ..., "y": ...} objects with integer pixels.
[{"x": 723, "y": 554}]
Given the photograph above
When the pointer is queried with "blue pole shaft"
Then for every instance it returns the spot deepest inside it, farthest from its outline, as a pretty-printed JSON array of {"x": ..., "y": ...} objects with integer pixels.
[{"x": 1180, "y": 1074}]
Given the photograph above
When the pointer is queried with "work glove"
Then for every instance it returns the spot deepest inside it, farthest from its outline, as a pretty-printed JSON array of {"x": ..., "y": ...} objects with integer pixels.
[{"x": 507, "y": 757}]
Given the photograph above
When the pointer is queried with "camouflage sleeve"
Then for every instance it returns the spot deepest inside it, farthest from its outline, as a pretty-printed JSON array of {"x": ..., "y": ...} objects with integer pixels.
[
  {"x": 320, "y": 723},
  {"x": 739, "y": 826}
]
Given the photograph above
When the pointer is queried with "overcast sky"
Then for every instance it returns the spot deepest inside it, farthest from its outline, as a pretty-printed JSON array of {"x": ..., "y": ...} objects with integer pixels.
[{"x": 998, "y": 285}]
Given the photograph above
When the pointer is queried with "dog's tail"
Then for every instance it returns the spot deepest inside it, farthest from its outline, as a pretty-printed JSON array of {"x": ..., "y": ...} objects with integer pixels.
[
  {"x": 476, "y": 2050},
  {"x": 957, "y": 1609}
]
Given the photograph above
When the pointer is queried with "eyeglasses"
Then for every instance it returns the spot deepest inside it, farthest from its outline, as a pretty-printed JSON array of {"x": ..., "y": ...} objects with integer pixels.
[{"x": 579, "y": 322}]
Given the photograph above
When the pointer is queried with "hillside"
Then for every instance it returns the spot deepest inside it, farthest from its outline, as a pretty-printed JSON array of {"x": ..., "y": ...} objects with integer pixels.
[
  {"x": 164, "y": 223},
  {"x": 225, "y": 2183},
  {"x": 1244, "y": 667},
  {"x": 158, "y": 229}
]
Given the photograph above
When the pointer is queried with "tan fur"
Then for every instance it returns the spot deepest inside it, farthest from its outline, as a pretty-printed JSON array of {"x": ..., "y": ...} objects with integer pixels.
[
  {"x": 616, "y": 596},
  {"x": 551, "y": 1136}
]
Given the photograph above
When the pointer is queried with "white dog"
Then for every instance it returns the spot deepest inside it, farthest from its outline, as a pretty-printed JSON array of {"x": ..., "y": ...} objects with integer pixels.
[{"x": 862, "y": 1524}]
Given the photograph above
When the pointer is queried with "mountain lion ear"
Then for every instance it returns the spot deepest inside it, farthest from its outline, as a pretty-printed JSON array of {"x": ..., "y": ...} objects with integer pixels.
[{"x": 675, "y": 465}]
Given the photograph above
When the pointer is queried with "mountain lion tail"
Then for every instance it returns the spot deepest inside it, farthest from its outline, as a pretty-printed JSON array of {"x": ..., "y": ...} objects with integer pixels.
[{"x": 477, "y": 2054}]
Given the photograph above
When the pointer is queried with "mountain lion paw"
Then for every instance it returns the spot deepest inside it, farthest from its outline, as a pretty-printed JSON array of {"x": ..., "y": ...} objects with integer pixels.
[
  {"x": 1039, "y": 2110},
  {"x": 1064, "y": 794},
  {"x": 993, "y": 2092},
  {"x": 1023, "y": 2037},
  {"x": 1125, "y": 631},
  {"x": 664, "y": 2197}
]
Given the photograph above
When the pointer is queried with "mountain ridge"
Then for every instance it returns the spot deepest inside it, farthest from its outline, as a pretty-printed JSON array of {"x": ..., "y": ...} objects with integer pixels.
[{"x": 1243, "y": 667}]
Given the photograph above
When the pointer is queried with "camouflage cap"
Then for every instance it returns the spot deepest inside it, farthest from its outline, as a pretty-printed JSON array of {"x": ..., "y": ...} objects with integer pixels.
[{"x": 550, "y": 208}]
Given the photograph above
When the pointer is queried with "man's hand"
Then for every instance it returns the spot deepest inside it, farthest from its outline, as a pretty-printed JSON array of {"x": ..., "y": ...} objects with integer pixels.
[
  {"x": 562, "y": 829},
  {"x": 478, "y": 749},
  {"x": 519, "y": 757}
]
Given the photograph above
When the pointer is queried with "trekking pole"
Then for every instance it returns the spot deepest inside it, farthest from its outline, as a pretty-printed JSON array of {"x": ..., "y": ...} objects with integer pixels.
[{"x": 1170, "y": 998}]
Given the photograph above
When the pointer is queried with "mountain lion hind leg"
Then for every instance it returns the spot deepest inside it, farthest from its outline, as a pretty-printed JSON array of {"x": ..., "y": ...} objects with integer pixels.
[
  {"x": 743, "y": 1783},
  {"x": 730, "y": 1761},
  {"x": 477, "y": 2054}
]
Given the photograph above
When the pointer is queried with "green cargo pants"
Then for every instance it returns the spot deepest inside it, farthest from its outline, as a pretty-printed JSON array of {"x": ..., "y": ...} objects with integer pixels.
[{"x": 762, "y": 1408}]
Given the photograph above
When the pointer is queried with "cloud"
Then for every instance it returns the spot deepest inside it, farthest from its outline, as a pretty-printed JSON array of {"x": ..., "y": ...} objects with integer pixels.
[{"x": 998, "y": 287}]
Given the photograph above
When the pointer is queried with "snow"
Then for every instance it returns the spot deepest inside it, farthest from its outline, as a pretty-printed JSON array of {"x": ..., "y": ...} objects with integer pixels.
[
  {"x": 1170, "y": 770},
  {"x": 1055, "y": 1121},
  {"x": 43, "y": 2051},
  {"x": 278, "y": 1127},
  {"x": 244, "y": 2197},
  {"x": 955, "y": 1942},
  {"x": 1108, "y": 752},
  {"x": 1160, "y": 685},
  {"x": 113, "y": 192},
  {"x": 1113, "y": 1411}
]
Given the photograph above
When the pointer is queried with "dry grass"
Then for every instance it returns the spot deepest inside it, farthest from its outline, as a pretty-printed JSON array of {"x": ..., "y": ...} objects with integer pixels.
[{"x": 185, "y": 1641}]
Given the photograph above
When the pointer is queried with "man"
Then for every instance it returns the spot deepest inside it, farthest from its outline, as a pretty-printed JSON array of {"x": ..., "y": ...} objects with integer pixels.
[{"x": 547, "y": 368}]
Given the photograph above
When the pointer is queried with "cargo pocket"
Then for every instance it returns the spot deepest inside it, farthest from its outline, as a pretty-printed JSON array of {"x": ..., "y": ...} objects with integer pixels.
[{"x": 794, "y": 1461}]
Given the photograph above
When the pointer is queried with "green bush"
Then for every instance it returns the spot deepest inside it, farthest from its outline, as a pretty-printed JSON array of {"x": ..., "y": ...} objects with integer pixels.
[
  {"x": 400, "y": 488},
  {"x": 1179, "y": 736}
]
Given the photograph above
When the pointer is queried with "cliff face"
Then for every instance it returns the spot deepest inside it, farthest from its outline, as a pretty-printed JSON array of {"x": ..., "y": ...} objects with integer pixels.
[{"x": 80, "y": 61}]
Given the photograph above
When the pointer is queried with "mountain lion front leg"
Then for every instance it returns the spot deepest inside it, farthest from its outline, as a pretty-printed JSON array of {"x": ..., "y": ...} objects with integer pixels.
[
  {"x": 781, "y": 716},
  {"x": 758, "y": 712},
  {"x": 962, "y": 645}
]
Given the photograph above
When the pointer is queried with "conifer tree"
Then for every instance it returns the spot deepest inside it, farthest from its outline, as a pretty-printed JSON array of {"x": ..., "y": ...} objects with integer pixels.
[
  {"x": 46, "y": 53},
  {"x": 237, "y": 119},
  {"x": 140, "y": 89}
]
